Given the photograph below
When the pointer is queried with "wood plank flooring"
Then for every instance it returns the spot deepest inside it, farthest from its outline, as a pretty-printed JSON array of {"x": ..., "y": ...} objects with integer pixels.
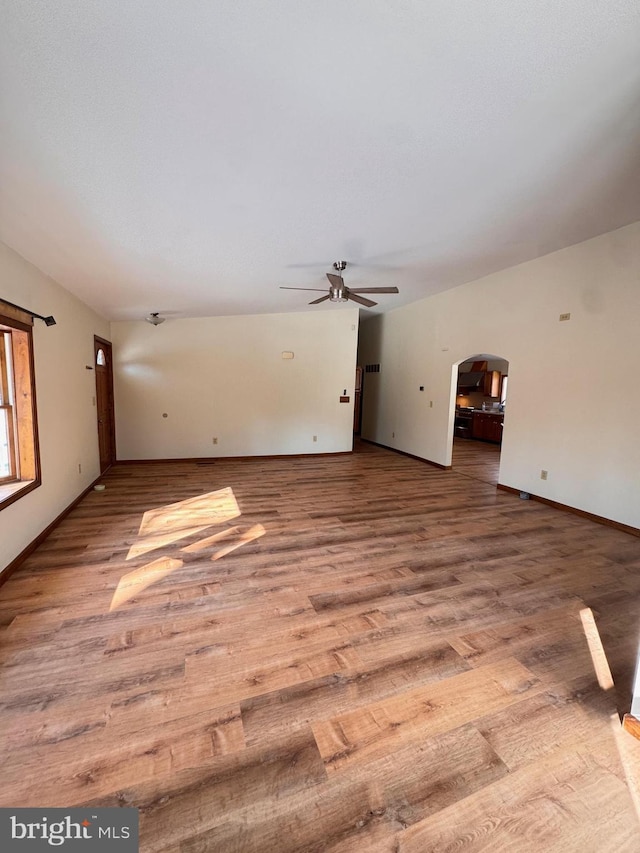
[
  {"x": 477, "y": 459},
  {"x": 345, "y": 654}
]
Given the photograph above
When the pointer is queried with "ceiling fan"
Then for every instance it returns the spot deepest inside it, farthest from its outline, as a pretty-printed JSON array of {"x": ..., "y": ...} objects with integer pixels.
[{"x": 339, "y": 292}]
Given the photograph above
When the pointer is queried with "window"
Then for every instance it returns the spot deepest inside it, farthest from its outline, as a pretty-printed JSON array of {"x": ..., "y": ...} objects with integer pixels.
[
  {"x": 19, "y": 458},
  {"x": 503, "y": 390}
]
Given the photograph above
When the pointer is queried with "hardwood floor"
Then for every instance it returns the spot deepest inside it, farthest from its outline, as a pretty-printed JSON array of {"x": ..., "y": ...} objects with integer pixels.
[
  {"x": 345, "y": 654},
  {"x": 477, "y": 459}
]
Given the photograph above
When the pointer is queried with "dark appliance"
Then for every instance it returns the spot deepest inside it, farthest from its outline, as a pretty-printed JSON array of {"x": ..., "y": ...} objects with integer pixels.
[{"x": 463, "y": 422}]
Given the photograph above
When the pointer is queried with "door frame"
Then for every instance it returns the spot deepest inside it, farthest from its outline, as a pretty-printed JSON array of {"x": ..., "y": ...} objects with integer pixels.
[
  {"x": 102, "y": 344},
  {"x": 357, "y": 401}
]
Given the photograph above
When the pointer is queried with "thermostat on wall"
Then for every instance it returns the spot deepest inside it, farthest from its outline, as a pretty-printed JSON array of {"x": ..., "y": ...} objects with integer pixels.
[{"x": 287, "y": 355}]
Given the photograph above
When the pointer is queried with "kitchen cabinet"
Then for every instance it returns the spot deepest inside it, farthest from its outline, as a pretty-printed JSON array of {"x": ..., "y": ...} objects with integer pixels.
[
  {"x": 487, "y": 426},
  {"x": 492, "y": 383}
]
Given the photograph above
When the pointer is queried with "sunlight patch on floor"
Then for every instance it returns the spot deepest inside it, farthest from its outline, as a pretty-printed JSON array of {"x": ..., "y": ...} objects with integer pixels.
[
  {"x": 250, "y": 535},
  {"x": 596, "y": 649},
  {"x": 168, "y": 524},
  {"x": 201, "y": 544},
  {"x": 629, "y": 752},
  {"x": 139, "y": 579}
]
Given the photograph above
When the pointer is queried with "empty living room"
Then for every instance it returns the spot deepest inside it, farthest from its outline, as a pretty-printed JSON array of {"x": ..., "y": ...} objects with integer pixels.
[{"x": 319, "y": 458}]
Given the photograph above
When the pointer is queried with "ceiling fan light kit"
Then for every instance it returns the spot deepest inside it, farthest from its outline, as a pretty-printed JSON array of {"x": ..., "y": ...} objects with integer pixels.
[{"x": 339, "y": 292}]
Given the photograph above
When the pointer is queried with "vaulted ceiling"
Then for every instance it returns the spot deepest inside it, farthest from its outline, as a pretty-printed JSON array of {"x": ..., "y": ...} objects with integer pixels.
[{"x": 189, "y": 156}]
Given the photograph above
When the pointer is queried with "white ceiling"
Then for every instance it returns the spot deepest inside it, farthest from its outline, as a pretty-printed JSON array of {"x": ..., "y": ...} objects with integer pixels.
[{"x": 190, "y": 156}]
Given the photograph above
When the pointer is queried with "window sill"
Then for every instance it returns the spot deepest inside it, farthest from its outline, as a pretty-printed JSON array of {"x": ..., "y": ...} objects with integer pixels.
[{"x": 10, "y": 492}]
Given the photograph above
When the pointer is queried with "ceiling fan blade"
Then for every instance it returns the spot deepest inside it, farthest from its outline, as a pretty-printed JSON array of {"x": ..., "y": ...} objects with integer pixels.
[
  {"x": 322, "y": 299},
  {"x": 367, "y": 302},
  {"x": 336, "y": 280},
  {"x": 374, "y": 290},
  {"x": 318, "y": 289}
]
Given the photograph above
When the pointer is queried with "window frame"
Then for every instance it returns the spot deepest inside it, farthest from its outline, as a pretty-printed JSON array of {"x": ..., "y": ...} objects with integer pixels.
[
  {"x": 7, "y": 405},
  {"x": 17, "y": 383}
]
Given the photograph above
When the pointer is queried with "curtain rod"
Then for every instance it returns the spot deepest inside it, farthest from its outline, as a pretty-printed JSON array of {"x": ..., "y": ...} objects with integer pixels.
[{"x": 49, "y": 321}]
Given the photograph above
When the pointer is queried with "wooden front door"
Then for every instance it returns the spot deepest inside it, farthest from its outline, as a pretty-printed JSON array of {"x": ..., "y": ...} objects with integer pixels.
[
  {"x": 357, "y": 407},
  {"x": 104, "y": 403}
]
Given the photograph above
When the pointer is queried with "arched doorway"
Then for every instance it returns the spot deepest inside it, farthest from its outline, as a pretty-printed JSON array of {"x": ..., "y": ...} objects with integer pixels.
[{"x": 479, "y": 386}]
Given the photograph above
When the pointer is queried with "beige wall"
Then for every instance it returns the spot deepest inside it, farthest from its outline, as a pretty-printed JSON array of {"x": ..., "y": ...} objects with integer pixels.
[
  {"x": 571, "y": 409},
  {"x": 65, "y": 392},
  {"x": 225, "y": 377}
]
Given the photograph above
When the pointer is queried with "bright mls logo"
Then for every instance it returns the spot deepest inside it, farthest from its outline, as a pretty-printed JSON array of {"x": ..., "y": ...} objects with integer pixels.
[{"x": 80, "y": 830}]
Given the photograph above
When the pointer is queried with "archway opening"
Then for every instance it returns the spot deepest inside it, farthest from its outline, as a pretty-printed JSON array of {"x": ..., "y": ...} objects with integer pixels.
[{"x": 479, "y": 400}]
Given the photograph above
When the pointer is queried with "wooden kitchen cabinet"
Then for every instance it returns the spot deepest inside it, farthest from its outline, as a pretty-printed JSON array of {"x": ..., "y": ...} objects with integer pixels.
[
  {"x": 487, "y": 426},
  {"x": 492, "y": 383},
  {"x": 494, "y": 428}
]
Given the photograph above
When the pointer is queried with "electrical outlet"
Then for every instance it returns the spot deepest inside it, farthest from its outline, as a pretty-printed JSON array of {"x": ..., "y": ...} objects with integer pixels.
[
  {"x": 315, "y": 437},
  {"x": 215, "y": 439},
  {"x": 431, "y": 404},
  {"x": 565, "y": 317},
  {"x": 544, "y": 474}
]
